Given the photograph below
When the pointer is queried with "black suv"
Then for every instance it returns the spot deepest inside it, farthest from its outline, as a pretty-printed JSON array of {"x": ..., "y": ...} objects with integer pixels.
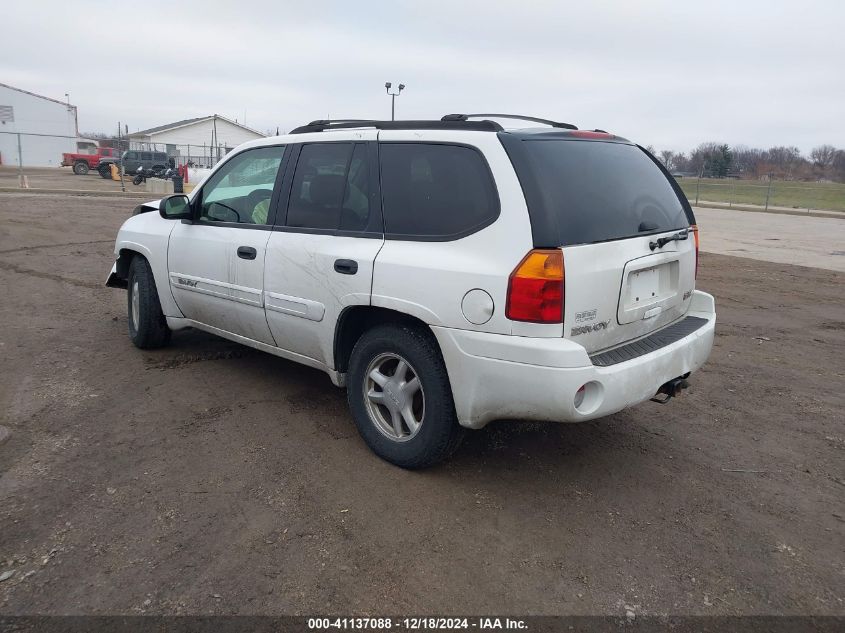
[{"x": 157, "y": 161}]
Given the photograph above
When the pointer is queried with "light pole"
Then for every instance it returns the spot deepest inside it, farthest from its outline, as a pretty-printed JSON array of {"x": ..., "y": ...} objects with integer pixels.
[
  {"x": 75, "y": 114},
  {"x": 393, "y": 96}
]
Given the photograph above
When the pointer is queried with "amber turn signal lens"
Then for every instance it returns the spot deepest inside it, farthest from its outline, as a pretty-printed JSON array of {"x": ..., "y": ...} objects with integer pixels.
[
  {"x": 694, "y": 229},
  {"x": 535, "y": 288}
]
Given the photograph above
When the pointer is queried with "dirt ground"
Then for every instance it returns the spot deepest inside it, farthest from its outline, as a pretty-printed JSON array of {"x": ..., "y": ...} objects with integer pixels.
[
  {"x": 208, "y": 478},
  {"x": 64, "y": 178}
]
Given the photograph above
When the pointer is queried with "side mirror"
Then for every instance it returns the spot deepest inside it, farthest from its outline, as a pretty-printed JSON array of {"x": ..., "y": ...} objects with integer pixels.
[{"x": 175, "y": 207}]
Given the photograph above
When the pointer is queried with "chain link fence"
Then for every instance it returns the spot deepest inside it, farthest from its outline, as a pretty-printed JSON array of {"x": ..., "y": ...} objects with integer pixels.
[
  {"x": 204, "y": 156},
  {"x": 51, "y": 161},
  {"x": 766, "y": 194}
]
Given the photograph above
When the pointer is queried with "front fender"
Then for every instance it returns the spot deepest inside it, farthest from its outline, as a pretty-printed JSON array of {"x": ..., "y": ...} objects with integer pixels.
[{"x": 148, "y": 235}]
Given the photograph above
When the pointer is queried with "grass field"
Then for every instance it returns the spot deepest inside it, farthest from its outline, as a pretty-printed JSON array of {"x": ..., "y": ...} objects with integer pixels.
[{"x": 796, "y": 195}]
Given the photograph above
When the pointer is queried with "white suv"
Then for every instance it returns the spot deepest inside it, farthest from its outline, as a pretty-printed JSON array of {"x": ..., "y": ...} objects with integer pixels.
[{"x": 447, "y": 273}]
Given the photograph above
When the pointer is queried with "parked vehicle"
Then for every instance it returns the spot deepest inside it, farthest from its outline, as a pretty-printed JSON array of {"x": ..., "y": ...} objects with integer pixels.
[
  {"x": 447, "y": 273},
  {"x": 133, "y": 159},
  {"x": 82, "y": 163},
  {"x": 141, "y": 174}
]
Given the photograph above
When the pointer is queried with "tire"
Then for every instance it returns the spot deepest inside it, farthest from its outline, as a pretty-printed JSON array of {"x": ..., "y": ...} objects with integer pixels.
[
  {"x": 438, "y": 433},
  {"x": 137, "y": 180},
  {"x": 80, "y": 168},
  {"x": 104, "y": 171},
  {"x": 147, "y": 325}
]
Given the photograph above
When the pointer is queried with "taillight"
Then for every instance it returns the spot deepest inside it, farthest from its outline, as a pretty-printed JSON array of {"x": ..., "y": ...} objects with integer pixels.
[
  {"x": 694, "y": 229},
  {"x": 535, "y": 288}
]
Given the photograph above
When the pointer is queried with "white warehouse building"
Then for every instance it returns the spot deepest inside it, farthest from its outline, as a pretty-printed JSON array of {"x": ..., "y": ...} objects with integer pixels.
[
  {"x": 203, "y": 140},
  {"x": 45, "y": 127}
]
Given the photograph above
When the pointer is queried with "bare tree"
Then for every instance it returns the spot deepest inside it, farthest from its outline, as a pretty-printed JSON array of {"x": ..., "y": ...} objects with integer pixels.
[
  {"x": 701, "y": 158},
  {"x": 838, "y": 165},
  {"x": 822, "y": 157},
  {"x": 781, "y": 162},
  {"x": 747, "y": 161},
  {"x": 784, "y": 161}
]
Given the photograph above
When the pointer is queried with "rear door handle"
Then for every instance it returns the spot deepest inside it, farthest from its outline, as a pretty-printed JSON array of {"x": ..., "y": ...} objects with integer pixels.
[
  {"x": 247, "y": 252},
  {"x": 346, "y": 266}
]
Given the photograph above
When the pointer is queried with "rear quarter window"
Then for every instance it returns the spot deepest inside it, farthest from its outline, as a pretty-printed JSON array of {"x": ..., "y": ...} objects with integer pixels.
[{"x": 435, "y": 192}]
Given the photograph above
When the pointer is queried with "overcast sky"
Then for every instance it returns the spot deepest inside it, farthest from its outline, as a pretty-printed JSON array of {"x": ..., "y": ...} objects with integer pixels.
[{"x": 670, "y": 74}]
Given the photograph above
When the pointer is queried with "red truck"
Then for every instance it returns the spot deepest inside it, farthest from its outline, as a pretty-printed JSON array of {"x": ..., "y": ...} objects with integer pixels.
[{"x": 82, "y": 163}]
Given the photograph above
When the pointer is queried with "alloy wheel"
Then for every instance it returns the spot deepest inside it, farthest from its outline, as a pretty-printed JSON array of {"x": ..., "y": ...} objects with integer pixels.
[{"x": 394, "y": 397}]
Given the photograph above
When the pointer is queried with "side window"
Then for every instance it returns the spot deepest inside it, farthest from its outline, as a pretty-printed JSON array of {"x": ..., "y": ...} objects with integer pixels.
[
  {"x": 146, "y": 156},
  {"x": 435, "y": 192},
  {"x": 241, "y": 190},
  {"x": 330, "y": 188},
  {"x": 355, "y": 213},
  {"x": 131, "y": 156}
]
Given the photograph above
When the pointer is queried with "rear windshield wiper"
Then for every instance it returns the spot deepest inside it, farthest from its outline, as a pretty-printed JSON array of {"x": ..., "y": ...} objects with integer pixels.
[{"x": 660, "y": 242}]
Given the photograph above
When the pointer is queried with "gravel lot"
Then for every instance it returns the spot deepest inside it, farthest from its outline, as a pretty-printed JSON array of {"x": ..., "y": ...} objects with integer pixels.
[
  {"x": 786, "y": 239},
  {"x": 209, "y": 478},
  {"x": 62, "y": 178}
]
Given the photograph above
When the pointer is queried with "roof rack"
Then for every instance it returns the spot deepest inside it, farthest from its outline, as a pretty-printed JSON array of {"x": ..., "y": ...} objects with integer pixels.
[
  {"x": 444, "y": 124},
  {"x": 466, "y": 117}
]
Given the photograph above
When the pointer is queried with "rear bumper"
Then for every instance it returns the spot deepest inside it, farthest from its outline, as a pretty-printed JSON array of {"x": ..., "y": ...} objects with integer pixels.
[{"x": 496, "y": 376}]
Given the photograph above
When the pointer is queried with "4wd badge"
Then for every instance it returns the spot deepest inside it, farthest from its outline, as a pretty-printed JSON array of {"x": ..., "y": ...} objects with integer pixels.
[{"x": 586, "y": 315}]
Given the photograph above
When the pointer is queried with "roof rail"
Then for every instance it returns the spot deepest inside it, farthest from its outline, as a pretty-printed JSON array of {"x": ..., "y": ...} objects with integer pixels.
[
  {"x": 452, "y": 124},
  {"x": 465, "y": 117}
]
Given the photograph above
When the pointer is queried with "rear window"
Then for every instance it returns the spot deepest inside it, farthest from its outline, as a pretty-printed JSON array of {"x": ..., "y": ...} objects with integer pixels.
[
  {"x": 581, "y": 192},
  {"x": 435, "y": 192}
]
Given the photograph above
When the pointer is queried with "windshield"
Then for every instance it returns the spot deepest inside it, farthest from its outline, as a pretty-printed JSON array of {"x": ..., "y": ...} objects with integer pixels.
[{"x": 581, "y": 192}]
